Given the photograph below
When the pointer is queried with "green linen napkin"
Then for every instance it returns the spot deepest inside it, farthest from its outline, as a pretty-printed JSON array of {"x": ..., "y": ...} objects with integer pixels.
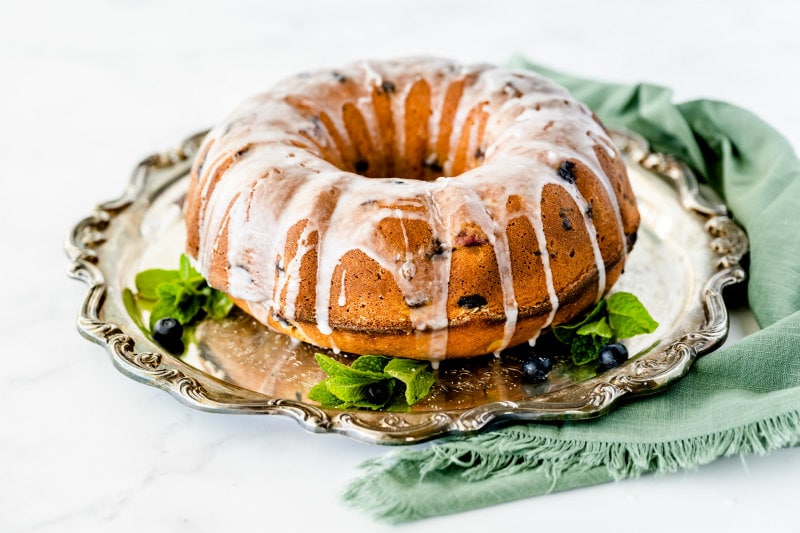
[{"x": 744, "y": 398}]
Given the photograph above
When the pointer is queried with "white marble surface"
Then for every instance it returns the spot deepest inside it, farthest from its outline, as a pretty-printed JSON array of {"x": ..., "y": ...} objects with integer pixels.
[{"x": 88, "y": 88}]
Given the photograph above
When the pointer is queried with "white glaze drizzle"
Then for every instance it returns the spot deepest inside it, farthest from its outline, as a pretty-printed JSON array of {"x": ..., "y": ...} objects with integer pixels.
[
  {"x": 277, "y": 185},
  {"x": 342, "y": 301}
]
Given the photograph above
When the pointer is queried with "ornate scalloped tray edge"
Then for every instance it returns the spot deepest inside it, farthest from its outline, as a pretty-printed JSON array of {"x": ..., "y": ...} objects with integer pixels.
[{"x": 703, "y": 326}]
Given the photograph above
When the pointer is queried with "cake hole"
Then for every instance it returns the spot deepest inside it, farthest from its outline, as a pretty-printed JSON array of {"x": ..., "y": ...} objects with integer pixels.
[{"x": 392, "y": 139}]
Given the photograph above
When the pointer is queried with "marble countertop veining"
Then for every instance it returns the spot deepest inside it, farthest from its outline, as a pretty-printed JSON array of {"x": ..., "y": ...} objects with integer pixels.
[{"x": 89, "y": 87}]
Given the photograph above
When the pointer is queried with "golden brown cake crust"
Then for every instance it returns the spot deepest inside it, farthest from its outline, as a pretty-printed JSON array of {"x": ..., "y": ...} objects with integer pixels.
[{"x": 414, "y": 208}]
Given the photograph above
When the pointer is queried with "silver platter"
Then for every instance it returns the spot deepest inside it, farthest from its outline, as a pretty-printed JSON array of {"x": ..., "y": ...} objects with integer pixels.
[{"x": 688, "y": 250}]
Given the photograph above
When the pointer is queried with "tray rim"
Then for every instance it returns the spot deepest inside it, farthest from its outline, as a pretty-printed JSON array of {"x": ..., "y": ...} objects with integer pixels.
[{"x": 204, "y": 392}]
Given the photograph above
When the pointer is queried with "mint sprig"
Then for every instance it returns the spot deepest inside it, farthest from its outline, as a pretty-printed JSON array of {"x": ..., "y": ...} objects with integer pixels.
[
  {"x": 182, "y": 294},
  {"x": 407, "y": 381},
  {"x": 620, "y": 316}
]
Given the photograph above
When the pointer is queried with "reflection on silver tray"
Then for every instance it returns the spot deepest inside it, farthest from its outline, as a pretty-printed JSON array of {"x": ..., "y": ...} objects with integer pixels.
[{"x": 688, "y": 251}]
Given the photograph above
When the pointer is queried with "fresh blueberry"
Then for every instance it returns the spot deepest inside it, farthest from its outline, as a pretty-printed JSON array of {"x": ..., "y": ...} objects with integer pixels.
[
  {"x": 612, "y": 355},
  {"x": 536, "y": 367},
  {"x": 472, "y": 301},
  {"x": 361, "y": 166},
  {"x": 168, "y": 332},
  {"x": 388, "y": 87},
  {"x": 377, "y": 393},
  {"x": 567, "y": 171}
]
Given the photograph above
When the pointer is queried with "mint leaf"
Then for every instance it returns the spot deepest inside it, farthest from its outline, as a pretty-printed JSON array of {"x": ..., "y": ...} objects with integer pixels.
[
  {"x": 344, "y": 382},
  {"x": 185, "y": 267},
  {"x": 147, "y": 281},
  {"x": 187, "y": 272},
  {"x": 585, "y": 348},
  {"x": 566, "y": 332},
  {"x": 628, "y": 317},
  {"x": 599, "y": 328},
  {"x": 176, "y": 301},
  {"x": 330, "y": 366},
  {"x": 162, "y": 309},
  {"x": 371, "y": 363},
  {"x": 416, "y": 376},
  {"x": 320, "y": 393},
  {"x": 181, "y": 298},
  {"x": 335, "y": 369},
  {"x": 353, "y": 390},
  {"x": 398, "y": 403},
  {"x": 588, "y": 339},
  {"x": 217, "y": 304}
]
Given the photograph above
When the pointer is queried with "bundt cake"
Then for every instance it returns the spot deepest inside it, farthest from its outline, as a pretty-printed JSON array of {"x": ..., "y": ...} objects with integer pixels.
[{"x": 416, "y": 208}]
